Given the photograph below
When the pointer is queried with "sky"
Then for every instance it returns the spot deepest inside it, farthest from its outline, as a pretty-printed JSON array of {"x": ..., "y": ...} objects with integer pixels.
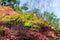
[{"x": 55, "y": 6}]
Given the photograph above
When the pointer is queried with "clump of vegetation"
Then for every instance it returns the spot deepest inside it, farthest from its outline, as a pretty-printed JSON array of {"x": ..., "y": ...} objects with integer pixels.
[
  {"x": 1, "y": 28},
  {"x": 29, "y": 20}
]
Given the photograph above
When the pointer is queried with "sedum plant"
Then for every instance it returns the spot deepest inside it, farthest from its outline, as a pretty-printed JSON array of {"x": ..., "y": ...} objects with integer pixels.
[
  {"x": 1, "y": 28},
  {"x": 32, "y": 21}
]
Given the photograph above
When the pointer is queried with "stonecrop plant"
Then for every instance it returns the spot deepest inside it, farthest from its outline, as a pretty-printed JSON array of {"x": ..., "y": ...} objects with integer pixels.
[{"x": 29, "y": 20}]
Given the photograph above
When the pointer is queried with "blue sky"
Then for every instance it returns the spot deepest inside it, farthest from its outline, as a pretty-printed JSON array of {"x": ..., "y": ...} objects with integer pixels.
[{"x": 56, "y": 6}]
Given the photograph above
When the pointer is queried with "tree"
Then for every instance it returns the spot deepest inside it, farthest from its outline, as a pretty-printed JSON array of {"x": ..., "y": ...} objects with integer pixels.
[
  {"x": 53, "y": 19},
  {"x": 49, "y": 16},
  {"x": 12, "y": 3},
  {"x": 25, "y": 6},
  {"x": 55, "y": 22},
  {"x": 36, "y": 11}
]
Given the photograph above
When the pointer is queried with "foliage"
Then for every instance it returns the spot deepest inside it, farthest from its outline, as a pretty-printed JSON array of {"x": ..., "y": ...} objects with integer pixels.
[
  {"x": 29, "y": 20},
  {"x": 12, "y": 3},
  {"x": 25, "y": 6},
  {"x": 35, "y": 10},
  {"x": 1, "y": 28},
  {"x": 12, "y": 18},
  {"x": 53, "y": 19},
  {"x": 15, "y": 4},
  {"x": 18, "y": 35},
  {"x": 32, "y": 22}
]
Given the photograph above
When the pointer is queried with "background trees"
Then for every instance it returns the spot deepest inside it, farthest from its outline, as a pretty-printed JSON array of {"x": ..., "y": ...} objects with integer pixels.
[
  {"x": 15, "y": 4},
  {"x": 11, "y": 3}
]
